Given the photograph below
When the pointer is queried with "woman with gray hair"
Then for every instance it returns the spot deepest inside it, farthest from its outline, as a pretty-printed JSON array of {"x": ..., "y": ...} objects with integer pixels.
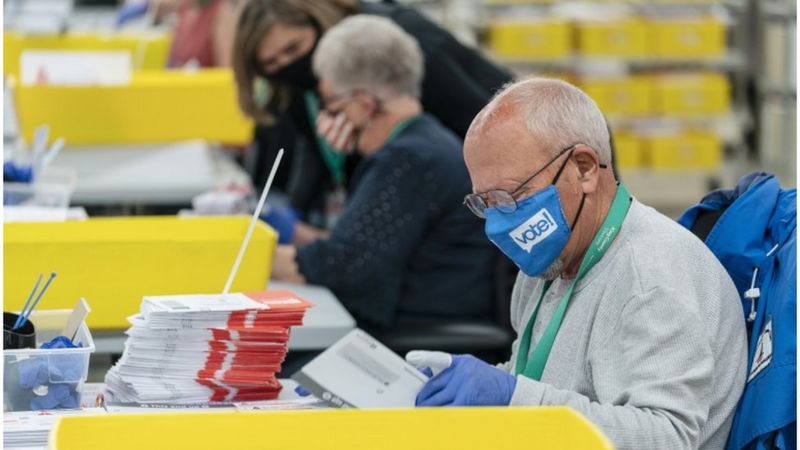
[
  {"x": 404, "y": 245},
  {"x": 274, "y": 43}
]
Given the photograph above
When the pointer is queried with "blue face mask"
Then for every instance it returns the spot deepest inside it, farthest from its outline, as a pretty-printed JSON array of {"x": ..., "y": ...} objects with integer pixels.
[{"x": 535, "y": 234}]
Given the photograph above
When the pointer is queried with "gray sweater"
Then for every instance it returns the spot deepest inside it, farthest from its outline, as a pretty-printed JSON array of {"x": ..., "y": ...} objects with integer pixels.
[{"x": 652, "y": 347}]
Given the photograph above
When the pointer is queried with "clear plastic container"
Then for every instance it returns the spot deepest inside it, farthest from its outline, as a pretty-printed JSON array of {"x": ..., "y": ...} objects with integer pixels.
[
  {"x": 53, "y": 188},
  {"x": 54, "y": 372}
]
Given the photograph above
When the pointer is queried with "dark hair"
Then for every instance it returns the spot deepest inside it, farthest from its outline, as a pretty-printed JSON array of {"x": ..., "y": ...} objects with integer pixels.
[{"x": 256, "y": 20}]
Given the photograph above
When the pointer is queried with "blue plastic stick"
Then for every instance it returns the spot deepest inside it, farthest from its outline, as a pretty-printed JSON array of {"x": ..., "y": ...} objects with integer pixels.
[
  {"x": 39, "y": 297},
  {"x": 17, "y": 323}
]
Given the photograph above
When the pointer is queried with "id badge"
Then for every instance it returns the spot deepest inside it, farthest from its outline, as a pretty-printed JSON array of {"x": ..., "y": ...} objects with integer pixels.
[{"x": 334, "y": 205}]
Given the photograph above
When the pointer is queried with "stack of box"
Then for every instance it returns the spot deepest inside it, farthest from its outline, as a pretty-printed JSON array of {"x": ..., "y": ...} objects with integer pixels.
[{"x": 206, "y": 348}]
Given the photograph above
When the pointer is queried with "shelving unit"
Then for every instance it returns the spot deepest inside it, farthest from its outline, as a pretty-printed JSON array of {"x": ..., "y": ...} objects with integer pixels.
[
  {"x": 773, "y": 23},
  {"x": 757, "y": 131}
]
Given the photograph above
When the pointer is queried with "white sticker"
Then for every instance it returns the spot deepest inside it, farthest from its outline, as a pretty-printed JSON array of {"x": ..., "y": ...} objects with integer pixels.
[
  {"x": 763, "y": 354},
  {"x": 534, "y": 230}
]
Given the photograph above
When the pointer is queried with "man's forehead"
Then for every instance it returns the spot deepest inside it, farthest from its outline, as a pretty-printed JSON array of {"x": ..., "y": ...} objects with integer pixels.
[
  {"x": 499, "y": 149},
  {"x": 501, "y": 138}
]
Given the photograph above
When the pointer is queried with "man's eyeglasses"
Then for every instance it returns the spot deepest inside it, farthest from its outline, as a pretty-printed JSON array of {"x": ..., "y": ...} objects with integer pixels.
[
  {"x": 331, "y": 99},
  {"x": 503, "y": 200},
  {"x": 327, "y": 101}
]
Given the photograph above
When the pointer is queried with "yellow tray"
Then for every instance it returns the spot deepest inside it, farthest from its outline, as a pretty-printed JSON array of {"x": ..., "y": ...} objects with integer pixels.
[
  {"x": 690, "y": 150},
  {"x": 630, "y": 152},
  {"x": 630, "y": 97},
  {"x": 526, "y": 39},
  {"x": 157, "y": 106},
  {"x": 623, "y": 38},
  {"x": 693, "y": 94},
  {"x": 550, "y": 428},
  {"x": 689, "y": 38},
  {"x": 114, "y": 262},
  {"x": 149, "y": 51}
]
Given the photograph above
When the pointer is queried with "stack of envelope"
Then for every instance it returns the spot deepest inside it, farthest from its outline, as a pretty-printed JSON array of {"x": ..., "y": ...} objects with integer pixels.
[{"x": 206, "y": 348}]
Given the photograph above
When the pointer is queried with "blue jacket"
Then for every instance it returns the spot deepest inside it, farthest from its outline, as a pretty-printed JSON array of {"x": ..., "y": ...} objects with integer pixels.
[{"x": 760, "y": 215}]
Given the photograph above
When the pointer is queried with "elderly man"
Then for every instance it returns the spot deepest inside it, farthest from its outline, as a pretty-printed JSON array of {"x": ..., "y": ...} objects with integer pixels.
[
  {"x": 621, "y": 314},
  {"x": 403, "y": 245}
]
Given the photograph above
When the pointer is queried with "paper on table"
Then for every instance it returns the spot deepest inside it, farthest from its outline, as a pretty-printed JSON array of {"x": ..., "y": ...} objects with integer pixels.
[
  {"x": 75, "y": 68},
  {"x": 206, "y": 348},
  {"x": 358, "y": 371},
  {"x": 29, "y": 429},
  {"x": 199, "y": 303},
  {"x": 76, "y": 318}
]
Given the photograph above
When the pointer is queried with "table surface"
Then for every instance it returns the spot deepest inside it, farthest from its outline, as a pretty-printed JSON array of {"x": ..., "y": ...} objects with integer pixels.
[
  {"x": 324, "y": 324},
  {"x": 148, "y": 174}
]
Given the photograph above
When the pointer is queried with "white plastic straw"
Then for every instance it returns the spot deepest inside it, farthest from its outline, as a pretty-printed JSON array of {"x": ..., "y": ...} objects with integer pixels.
[
  {"x": 252, "y": 226},
  {"x": 48, "y": 157}
]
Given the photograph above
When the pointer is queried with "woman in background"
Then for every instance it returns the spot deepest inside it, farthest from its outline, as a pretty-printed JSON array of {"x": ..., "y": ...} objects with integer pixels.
[
  {"x": 405, "y": 247},
  {"x": 203, "y": 30},
  {"x": 274, "y": 43}
]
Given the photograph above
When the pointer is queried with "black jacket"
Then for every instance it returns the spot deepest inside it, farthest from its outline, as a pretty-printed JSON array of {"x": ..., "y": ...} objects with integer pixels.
[{"x": 458, "y": 83}]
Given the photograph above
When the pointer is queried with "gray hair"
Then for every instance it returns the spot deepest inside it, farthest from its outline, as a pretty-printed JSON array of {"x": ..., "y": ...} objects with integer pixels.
[
  {"x": 370, "y": 53},
  {"x": 559, "y": 115}
]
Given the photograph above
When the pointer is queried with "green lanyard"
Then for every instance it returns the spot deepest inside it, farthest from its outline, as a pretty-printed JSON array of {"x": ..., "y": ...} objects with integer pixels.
[
  {"x": 333, "y": 159},
  {"x": 400, "y": 127},
  {"x": 534, "y": 367}
]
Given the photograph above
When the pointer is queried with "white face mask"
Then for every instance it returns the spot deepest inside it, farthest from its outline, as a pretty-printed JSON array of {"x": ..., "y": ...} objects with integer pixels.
[{"x": 339, "y": 132}]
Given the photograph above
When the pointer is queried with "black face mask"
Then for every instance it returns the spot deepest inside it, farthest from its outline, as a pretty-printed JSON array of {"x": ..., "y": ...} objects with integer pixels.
[{"x": 299, "y": 73}]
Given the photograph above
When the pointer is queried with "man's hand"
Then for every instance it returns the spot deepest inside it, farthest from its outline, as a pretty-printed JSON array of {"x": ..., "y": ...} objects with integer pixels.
[
  {"x": 467, "y": 382},
  {"x": 284, "y": 266}
]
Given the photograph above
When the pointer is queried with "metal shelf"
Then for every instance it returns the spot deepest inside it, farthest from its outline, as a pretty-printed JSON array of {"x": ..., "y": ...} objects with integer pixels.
[
  {"x": 611, "y": 4},
  {"x": 729, "y": 126},
  {"x": 778, "y": 10},
  {"x": 731, "y": 62},
  {"x": 669, "y": 191}
]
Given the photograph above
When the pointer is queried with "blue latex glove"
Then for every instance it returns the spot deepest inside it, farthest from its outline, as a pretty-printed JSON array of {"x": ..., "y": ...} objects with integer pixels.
[
  {"x": 468, "y": 382},
  {"x": 60, "y": 342},
  {"x": 283, "y": 219},
  {"x": 130, "y": 12},
  {"x": 58, "y": 396},
  {"x": 33, "y": 372},
  {"x": 301, "y": 391},
  {"x": 17, "y": 174},
  {"x": 57, "y": 373}
]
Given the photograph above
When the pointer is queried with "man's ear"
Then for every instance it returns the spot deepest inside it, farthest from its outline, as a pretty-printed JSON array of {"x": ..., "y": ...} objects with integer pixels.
[
  {"x": 368, "y": 102},
  {"x": 588, "y": 165}
]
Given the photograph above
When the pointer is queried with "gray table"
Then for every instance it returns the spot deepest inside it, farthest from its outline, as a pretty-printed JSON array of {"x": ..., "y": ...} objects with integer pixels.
[
  {"x": 148, "y": 174},
  {"x": 324, "y": 324}
]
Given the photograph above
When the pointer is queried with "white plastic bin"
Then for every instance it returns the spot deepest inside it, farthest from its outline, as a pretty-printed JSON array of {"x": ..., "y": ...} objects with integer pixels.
[
  {"x": 53, "y": 188},
  {"x": 49, "y": 324}
]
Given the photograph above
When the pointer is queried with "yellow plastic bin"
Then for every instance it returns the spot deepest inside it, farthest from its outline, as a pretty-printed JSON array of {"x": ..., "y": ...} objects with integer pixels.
[
  {"x": 149, "y": 51},
  {"x": 156, "y": 107},
  {"x": 627, "y": 38},
  {"x": 690, "y": 150},
  {"x": 630, "y": 151},
  {"x": 552, "y": 428},
  {"x": 693, "y": 94},
  {"x": 689, "y": 38},
  {"x": 530, "y": 39},
  {"x": 631, "y": 96},
  {"x": 116, "y": 261}
]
